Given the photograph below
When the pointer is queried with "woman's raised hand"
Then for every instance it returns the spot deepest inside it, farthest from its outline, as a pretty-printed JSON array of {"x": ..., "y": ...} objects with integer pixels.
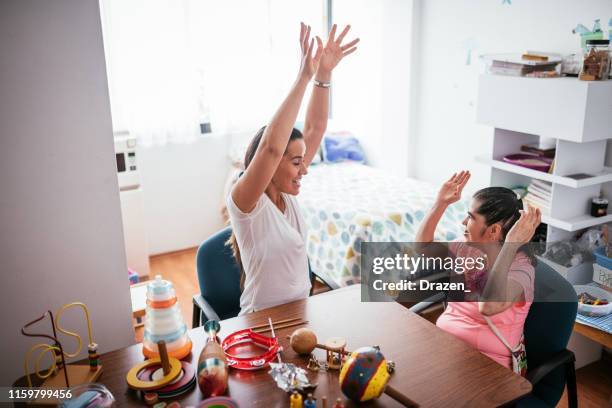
[
  {"x": 309, "y": 62},
  {"x": 522, "y": 231},
  {"x": 334, "y": 51},
  {"x": 450, "y": 191}
]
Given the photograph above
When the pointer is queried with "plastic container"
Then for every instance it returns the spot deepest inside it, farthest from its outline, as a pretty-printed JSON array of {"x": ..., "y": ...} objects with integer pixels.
[
  {"x": 89, "y": 395},
  {"x": 594, "y": 310},
  {"x": 596, "y": 61},
  {"x": 602, "y": 259}
]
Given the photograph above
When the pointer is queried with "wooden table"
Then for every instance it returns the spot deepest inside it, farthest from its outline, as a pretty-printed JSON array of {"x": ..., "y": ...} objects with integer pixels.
[{"x": 433, "y": 368}]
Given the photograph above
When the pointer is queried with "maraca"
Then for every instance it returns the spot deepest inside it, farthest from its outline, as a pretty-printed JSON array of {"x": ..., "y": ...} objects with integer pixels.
[
  {"x": 365, "y": 374},
  {"x": 212, "y": 365}
]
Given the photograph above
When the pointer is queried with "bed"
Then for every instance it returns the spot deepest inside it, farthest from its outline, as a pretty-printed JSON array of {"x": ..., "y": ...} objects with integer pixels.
[{"x": 347, "y": 203}]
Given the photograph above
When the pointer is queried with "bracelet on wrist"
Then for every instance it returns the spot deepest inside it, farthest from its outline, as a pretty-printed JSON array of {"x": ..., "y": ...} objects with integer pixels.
[{"x": 322, "y": 84}]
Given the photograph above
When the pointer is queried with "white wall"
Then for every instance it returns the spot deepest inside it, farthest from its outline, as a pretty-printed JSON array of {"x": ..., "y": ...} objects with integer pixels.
[
  {"x": 447, "y": 136},
  {"x": 59, "y": 203},
  {"x": 371, "y": 88},
  {"x": 182, "y": 186}
]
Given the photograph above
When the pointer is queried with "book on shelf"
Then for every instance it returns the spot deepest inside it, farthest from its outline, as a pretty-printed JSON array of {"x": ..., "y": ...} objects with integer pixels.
[
  {"x": 534, "y": 148},
  {"x": 544, "y": 207},
  {"x": 539, "y": 191},
  {"x": 542, "y": 185}
]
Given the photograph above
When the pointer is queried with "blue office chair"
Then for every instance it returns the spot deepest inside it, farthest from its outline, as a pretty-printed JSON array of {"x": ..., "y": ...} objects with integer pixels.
[
  {"x": 547, "y": 331},
  {"x": 219, "y": 279}
]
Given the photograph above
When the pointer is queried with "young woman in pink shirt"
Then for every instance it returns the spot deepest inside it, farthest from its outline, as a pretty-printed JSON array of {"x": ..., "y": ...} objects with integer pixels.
[{"x": 498, "y": 225}]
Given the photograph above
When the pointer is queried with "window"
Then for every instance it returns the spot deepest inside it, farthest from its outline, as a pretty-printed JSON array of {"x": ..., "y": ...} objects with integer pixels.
[{"x": 174, "y": 64}]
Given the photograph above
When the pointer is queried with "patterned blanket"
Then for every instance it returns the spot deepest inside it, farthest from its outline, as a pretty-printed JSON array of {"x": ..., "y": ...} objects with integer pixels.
[{"x": 345, "y": 204}]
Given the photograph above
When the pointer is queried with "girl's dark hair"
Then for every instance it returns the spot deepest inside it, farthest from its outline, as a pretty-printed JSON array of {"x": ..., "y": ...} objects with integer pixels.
[
  {"x": 501, "y": 205},
  {"x": 248, "y": 158}
]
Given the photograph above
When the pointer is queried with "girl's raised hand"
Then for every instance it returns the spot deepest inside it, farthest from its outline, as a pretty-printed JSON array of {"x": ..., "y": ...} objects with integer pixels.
[
  {"x": 522, "y": 231},
  {"x": 329, "y": 56},
  {"x": 450, "y": 191}
]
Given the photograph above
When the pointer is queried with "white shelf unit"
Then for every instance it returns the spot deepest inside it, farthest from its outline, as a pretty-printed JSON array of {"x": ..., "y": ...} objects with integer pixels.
[{"x": 577, "y": 114}]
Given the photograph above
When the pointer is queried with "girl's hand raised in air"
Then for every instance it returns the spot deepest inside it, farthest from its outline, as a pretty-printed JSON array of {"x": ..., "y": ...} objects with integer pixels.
[
  {"x": 450, "y": 192},
  {"x": 334, "y": 51},
  {"x": 522, "y": 231}
]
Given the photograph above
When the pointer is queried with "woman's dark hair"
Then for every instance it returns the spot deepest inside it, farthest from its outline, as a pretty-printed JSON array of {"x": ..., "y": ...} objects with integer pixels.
[
  {"x": 501, "y": 205},
  {"x": 248, "y": 158}
]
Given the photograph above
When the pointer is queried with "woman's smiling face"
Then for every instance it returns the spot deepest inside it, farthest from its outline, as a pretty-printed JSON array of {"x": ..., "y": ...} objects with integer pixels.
[{"x": 291, "y": 168}]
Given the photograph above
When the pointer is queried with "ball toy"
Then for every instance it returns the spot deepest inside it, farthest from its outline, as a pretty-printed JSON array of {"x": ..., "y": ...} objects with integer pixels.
[
  {"x": 364, "y": 375},
  {"x": 303, "y": 341}
]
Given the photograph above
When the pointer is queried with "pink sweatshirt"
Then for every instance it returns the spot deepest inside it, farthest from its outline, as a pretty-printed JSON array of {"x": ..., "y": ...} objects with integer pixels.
[{"x": 463, "y": 319}]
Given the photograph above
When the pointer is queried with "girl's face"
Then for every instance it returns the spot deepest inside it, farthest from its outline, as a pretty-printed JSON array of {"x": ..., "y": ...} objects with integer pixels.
[
  {"x": 291, "y": 168},
  {"x": 476, "y": 229}
]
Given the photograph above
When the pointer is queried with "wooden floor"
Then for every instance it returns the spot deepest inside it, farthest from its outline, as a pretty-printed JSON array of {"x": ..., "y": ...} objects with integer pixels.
[{"x": 594, "y": 381}]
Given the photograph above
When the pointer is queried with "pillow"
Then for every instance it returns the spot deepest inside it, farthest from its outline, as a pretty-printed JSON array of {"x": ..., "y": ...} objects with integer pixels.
[{"x": 342, "y": 146}]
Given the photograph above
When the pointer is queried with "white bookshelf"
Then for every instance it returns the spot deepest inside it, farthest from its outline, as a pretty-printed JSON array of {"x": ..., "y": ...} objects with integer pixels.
[{"x": 577, "y": 115}]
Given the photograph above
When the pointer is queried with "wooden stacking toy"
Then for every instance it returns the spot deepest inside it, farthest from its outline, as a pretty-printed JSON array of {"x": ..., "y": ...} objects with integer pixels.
[
  {"x": 164, "y": 321},
  {"x": 164, "y": 376}
]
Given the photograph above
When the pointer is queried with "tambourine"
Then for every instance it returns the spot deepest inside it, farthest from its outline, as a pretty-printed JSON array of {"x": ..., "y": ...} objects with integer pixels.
[{"x": 247, "y": 336}]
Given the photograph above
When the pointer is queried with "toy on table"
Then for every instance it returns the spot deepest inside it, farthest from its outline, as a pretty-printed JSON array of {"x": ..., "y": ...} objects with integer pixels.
[
  {"x": 365, "y": 376},
  {"x": 338, "y": 403},
  {"x": 60, "y": 374},
  {"x": 164, "y": 321},
  {"x": 212, "y": 364},
  {"x": 303, "y": 341},
  {"x": 243, "y": 337},
  {"x": 310, "y": 401},
  {"x": 295, "y": 401},
  {"x": 288, "y": 377},
  {"x": 161, "y": 377}
]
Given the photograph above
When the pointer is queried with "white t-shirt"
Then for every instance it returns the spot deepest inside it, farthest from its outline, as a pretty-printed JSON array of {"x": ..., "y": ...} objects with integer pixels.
[{"x": 273, "y": 251}]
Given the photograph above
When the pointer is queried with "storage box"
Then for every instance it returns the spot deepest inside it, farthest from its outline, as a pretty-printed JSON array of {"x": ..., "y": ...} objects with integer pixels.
[
  {"x": 576, "y": 275},
  {"x": 602, "y": 276}
]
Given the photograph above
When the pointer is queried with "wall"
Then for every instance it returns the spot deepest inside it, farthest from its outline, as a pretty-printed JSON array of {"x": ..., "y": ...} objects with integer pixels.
[
  {"x": 447, "y": 136},
  {"x": 182, "y": 187},
  {"x": 371, "y": 92},
  {"x": 60, "y": 219}
]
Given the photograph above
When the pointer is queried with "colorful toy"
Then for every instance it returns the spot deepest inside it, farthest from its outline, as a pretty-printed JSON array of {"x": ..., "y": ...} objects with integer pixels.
[
  {"x": 335, "y": 348},
  {"x": 164, "y": 321},
  {"x": 295, "y": 401},
  {"x": 163, "y": 376},
  {"x": 242, "y": 337},
  {"x": 212, "y": 364},
  {"x": 365, "y": 374},
  {"x": 60, "y": 374},
  {"x": 310, "y": 402}
]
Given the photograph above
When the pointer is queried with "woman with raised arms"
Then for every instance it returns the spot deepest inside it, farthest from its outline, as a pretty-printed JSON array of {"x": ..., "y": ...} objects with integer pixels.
[{"x": 269, "y": 234}]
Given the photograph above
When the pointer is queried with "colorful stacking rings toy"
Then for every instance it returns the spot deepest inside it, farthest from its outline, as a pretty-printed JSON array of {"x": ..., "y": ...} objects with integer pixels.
[
  {"x": 183, "y": 383},
  {"x": 246, "y": 336},
  {"x": 147, "y": 385}
]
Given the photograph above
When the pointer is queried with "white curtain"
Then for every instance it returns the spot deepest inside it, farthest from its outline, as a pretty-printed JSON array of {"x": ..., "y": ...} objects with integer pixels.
[{"x": 173, "y": 64}]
